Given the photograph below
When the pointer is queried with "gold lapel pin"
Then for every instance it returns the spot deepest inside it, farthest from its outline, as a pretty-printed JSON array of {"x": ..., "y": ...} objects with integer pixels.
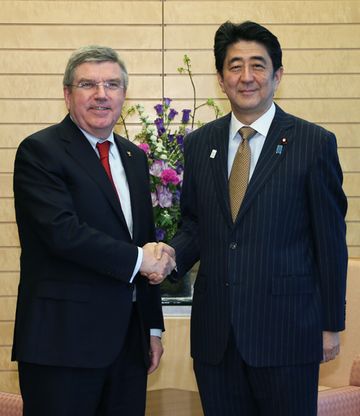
[{"x": 129, "y": 153}]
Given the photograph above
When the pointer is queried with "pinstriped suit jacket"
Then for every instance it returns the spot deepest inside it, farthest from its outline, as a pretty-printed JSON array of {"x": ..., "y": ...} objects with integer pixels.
[{"x": 277, "y": 275}]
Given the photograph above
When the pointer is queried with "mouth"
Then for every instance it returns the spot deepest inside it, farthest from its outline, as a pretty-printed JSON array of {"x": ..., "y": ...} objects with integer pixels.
[
  {"x": 247, "y": 92},
  {"x": 100, "y": 108}
]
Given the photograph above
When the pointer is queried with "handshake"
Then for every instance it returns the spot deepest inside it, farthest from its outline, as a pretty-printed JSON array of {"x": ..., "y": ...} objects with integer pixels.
[{"x": 158, "y": 262}]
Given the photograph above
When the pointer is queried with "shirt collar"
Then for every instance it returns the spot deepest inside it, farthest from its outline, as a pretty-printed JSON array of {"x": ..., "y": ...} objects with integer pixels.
[
  {"x": 261, "y": 125},
  {"x": 93, "y": 140}
]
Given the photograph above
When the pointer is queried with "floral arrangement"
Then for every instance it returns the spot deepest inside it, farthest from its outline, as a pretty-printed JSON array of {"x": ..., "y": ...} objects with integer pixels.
[{"x": 164, "y": 146}]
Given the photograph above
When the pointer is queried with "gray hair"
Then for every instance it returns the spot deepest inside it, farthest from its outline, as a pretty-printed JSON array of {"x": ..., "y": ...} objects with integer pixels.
[{"x": 93, "y": 53}]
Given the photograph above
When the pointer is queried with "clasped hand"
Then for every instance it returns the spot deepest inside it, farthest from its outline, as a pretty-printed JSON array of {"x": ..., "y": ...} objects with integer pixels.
[{"x": 158, "y": 262}]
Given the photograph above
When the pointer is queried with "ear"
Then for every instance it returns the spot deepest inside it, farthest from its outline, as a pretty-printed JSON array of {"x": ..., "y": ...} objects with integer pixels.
[
  {"x": 221, "y": 81},
  {"x": 67, "y": 93},
  {"x": 277, "y": 76}
]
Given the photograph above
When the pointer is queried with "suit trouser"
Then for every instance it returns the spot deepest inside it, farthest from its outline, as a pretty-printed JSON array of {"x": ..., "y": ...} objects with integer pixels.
[
  {"x": 117, "y": 390},
  {"x": 232, "y": 388}
]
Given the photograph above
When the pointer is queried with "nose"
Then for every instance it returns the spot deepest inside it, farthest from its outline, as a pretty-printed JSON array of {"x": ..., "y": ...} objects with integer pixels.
[
  {"x": 100, "y": 90},
  {"x": 247, "y": 74}
]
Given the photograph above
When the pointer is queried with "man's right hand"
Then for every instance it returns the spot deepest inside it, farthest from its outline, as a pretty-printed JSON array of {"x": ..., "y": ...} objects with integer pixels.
[{"x": 158, "y": 261}]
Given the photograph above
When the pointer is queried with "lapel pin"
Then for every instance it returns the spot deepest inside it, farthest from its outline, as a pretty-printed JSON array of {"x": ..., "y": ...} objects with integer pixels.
[
  {"x": 213, "y": 154},
  {"x": 280, "y": 147},
  {"x": 129, "y": 153}
]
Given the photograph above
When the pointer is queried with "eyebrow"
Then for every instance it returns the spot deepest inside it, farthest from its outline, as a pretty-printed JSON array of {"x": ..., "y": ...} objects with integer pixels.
[{"x": 252, "y": 58}]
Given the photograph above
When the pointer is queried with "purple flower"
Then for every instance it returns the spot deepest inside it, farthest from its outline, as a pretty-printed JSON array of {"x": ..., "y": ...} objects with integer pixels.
[
  {"x": 171, "y": 137},
  {"x": 169, "y": 176},
  {"x": 186, "y": 116},
  {"x": 159, "y": 123},
  {"x": 172, "y": 114},
  {"x": 176, "y": 196},
  {"x": 160, "y": 234},
  {"x": 180, "y": 139},
  {"x": 167, "y": 101},
  {"x": 145, "y": 147},
  {"x": 157, "y": 167},
  {"x": 159, "y": 109},
  {"x": 164, "y": 196}
]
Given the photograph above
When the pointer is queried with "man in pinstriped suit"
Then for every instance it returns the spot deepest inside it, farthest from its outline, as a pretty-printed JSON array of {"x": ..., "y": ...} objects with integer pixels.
[{"x": 269, "y": 297}]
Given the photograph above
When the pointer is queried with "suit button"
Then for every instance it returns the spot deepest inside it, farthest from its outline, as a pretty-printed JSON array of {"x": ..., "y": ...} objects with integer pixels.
[
  {"x": 233, "y": 246},
  {"x": 227, "y": 284}
]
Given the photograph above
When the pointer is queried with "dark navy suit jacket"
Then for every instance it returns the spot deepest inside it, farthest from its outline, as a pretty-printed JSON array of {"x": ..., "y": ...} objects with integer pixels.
[
  {"x": 277, "y": 275},
  {"x": 77, "y": 255}
]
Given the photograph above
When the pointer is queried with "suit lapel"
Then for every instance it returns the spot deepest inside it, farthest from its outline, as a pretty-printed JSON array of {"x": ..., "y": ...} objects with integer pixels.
[
  {"x": 129, "y": 159},
  {"x": 217, "y": 151},
  {"x": 270, "y": 157},
  {"x": 80, "y": 150}
]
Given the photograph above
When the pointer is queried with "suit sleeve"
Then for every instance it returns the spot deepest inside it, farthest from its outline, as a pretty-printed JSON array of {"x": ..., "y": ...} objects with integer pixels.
[
  {"x": 44, "y": 208},
  {"x": 186, "y": 240},
  {"x": 328, "y": 210}
]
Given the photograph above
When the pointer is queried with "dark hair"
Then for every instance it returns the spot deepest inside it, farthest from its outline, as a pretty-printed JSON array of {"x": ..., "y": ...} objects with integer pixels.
[{"x": 229, "y": 33}]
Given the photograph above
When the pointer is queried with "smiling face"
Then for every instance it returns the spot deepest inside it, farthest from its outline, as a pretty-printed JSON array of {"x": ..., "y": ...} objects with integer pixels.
[
  {"x": 96, "y": 110},
  {"x": 248, "y": 79}
]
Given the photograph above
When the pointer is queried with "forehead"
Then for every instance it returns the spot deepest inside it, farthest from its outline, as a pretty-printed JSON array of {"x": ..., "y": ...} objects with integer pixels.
[
  {"x": 247, "y": 50},
  {"x": 98, "y": 70}
]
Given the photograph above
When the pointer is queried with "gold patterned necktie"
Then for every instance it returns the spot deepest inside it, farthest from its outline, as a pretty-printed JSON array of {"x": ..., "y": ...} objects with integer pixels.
[{"x": 239, "y": 176}]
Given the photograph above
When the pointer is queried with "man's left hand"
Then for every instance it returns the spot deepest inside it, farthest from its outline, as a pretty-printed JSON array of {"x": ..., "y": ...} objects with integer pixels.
[
  {"x": 331, "y": 345},
  {"x": 156, "y": 351}
]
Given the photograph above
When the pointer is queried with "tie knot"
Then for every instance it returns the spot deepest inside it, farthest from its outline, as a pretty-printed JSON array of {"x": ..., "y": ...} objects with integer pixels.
[
  {"x": 247, "y": 132},
  {"x": 103, "y": 148}
]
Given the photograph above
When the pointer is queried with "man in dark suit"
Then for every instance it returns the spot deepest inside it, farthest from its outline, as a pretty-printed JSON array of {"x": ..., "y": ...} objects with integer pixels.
[
  {"x": 88, "y": 326},
  {"x": 269, "y": 297}
]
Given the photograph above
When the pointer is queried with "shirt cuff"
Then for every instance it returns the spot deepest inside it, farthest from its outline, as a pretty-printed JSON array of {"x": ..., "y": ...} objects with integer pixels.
[
  {"x": 154, "y": 332},
  {"x": 138, "y": 263}
]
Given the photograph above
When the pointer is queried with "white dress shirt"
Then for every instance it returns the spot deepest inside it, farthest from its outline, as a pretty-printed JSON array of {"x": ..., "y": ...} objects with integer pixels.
[
  {"x": 122, "y": 188},
  {"x": 256, "y": 143}
]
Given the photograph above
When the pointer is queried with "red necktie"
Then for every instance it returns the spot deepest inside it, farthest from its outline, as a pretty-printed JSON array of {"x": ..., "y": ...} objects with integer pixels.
[{"x": 103, "y": 149}]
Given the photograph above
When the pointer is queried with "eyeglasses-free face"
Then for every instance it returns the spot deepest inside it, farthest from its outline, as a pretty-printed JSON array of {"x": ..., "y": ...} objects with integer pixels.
[{"x": 96, "y": 97}]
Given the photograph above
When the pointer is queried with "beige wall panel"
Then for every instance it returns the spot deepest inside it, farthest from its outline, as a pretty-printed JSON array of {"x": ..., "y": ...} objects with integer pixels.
[
  {"x": 5, "y": 359},
  {"x": 175, "y": 370},
  {"x": 9, "y": 259},
  {"x": 12, "y": 134},
  {"x": 350, "y": 160},
  {"x": 31, "y": 111},
  {"x": 294, "y": 61},
  {"x": 352, "y": 184},
  {"x": 347, "y": 135},
  {"x": 354, "y": 252},
  {"x": 54, "y": 62},
  {"x": 7, "y": 212},
  {"x": 7, "y": 308},
  {"x": 323, "y": 111},
  {"x": 6, "y": 331},
  {"x": 353, "y": 213},
  {"x": 297, "y": 37},
  {"x": 7, "y": 157},
  {"x": 320, "y": 86},
  {"x": 8, "y": 235},
  {"x": 8, "y": 284},
  {"x": 9, "y": 381},
  {"x": 6, "y": 185},
  {"x": 179, "y": 86},
  {"x": 205, "y": 12},
  {"x": 321, "y": 61},
  {"x": 44, "y": 12},
  {"x": 291, "y": 86},
  {"x": 353, "y": 234},
  {"x": 50, "y": 87},
  {"x": 71, "y": 37}
]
